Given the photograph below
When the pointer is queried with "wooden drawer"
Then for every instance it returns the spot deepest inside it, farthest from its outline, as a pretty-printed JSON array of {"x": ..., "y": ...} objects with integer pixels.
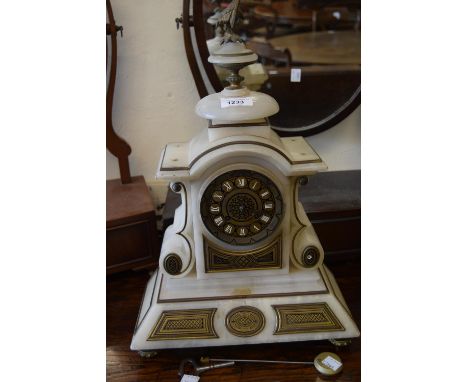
[
  {"x": 131, "y": 245},
  {"x": 132, "y": 238},
  {"x": 338, "y": 231}
]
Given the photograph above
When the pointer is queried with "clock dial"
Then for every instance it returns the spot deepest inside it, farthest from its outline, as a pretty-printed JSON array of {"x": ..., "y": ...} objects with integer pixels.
[{"x": 241, "y": 207}]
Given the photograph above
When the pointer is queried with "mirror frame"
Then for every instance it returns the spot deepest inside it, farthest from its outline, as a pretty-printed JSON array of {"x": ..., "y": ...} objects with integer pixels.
[{"x": 196, "y": 21}]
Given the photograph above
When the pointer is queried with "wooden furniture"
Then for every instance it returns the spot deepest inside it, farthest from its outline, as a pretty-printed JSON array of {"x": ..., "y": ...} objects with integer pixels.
[
  {"x": 325, "y": 47},
  {"x": 292, "y": 11},
  {"x": 130, "y": 217},
  {"x": 269, "y": 54},
  {"x": 339, "y": 17},
  {"x": 285, "y": 12},
  {"x": 123, "y": 303},
  {"x": 132, "y": 240},
  {"x": 114, "y": 143},
  {"x": 332, "y": 201}
]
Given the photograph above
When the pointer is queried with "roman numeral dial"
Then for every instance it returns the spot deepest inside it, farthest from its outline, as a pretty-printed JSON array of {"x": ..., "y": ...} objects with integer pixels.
[
  {"x": 227, "y": 186},
  {"x": 241, "y": 207},
  {"x": 215, "y": 209},
  {"x": 241, "y": 182}
]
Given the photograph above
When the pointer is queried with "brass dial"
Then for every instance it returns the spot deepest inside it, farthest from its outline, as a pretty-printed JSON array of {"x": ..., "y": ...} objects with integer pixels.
[{"x": 241, "y": 207}]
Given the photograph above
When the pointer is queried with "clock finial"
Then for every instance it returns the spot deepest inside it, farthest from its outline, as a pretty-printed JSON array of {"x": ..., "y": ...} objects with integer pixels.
[
  {"x": 227, "y": 20},
  {"x": 233, "y": 55}
]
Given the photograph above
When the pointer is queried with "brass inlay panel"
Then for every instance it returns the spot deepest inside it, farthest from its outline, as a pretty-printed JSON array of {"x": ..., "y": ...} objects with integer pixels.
[
  {"x": 245, "y": 321},
  {"x": 221, "y": 260},
  {"x": 184, "y": 324},
  {"x": 305, "y": 318}
]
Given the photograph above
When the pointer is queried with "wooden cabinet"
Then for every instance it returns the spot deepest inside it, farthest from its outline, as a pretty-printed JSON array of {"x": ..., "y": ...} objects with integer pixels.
[
  {"x": 131, "y": 237},
  {"x": 332, "y": 201}
]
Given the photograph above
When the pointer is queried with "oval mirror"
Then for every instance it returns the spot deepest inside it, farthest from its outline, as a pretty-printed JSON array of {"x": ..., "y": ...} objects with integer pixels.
[{"x": 309, "y": 57}]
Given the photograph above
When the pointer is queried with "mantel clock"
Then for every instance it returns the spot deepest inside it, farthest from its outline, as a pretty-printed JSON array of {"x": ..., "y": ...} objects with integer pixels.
[{"x": 241, "y": 264}]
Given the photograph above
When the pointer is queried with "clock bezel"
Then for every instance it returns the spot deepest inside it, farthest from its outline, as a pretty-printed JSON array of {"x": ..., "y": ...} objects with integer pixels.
[{"x": 242, "y": 245}]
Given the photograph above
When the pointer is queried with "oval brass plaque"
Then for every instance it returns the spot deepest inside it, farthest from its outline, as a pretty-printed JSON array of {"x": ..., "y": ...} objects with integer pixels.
[{"x": 245, "y": 321}]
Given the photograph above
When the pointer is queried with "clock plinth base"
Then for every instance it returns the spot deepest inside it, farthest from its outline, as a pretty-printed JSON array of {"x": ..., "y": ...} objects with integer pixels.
[{"x": 300, "y": 306}]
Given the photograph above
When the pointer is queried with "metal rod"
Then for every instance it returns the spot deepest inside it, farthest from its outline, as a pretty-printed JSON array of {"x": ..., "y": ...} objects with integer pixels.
[{"x": 259, "y": 361}]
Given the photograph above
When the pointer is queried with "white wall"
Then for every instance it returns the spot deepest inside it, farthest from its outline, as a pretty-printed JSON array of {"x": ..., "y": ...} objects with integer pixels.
[{"x": 155, "y": 93}]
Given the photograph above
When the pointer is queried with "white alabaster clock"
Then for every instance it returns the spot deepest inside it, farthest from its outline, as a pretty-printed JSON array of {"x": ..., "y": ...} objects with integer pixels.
[{"x": 241, "y": 264}]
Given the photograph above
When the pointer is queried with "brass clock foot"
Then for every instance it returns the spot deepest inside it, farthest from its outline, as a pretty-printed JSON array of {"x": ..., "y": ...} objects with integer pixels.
[
  {"x": 148, "y": 354},
  {"x": 340, "y": 342}
]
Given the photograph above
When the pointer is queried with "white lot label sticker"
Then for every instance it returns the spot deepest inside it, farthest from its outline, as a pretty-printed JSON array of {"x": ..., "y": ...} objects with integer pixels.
[
  {"x": 295, "y": 75},
  {"x": 238, "y": 101},
  {"x": 190, "y": 378},
  {"x": 332, "y": 363}
]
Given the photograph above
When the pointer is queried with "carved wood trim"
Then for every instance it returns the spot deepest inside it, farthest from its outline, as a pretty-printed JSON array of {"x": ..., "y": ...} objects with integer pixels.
[
  {"x": 190, "y": 52},
  {"x": 114, "y": 143}
]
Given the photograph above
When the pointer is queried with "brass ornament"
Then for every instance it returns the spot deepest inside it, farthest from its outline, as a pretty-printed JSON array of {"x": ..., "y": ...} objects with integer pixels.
[
  {"x": 147, "y": 354},
  {"x": 218, "y": 259},
  {"x": 342, "y": 342},
  {"x": 173, "y": 264},
  {"x": 184, "y": 324},
  {"x": 241, "y": 207},
  {"x": 305, "y": 318},
  {"x": 176, "y": 187},
  {"x": 310, "y": 256},
  {"x": 303, "y": 180},
  {"x": 245, "y": 321}
]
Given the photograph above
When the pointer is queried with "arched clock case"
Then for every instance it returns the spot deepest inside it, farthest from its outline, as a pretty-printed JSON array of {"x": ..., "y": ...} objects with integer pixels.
[{"x": 241, "y": 264}]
